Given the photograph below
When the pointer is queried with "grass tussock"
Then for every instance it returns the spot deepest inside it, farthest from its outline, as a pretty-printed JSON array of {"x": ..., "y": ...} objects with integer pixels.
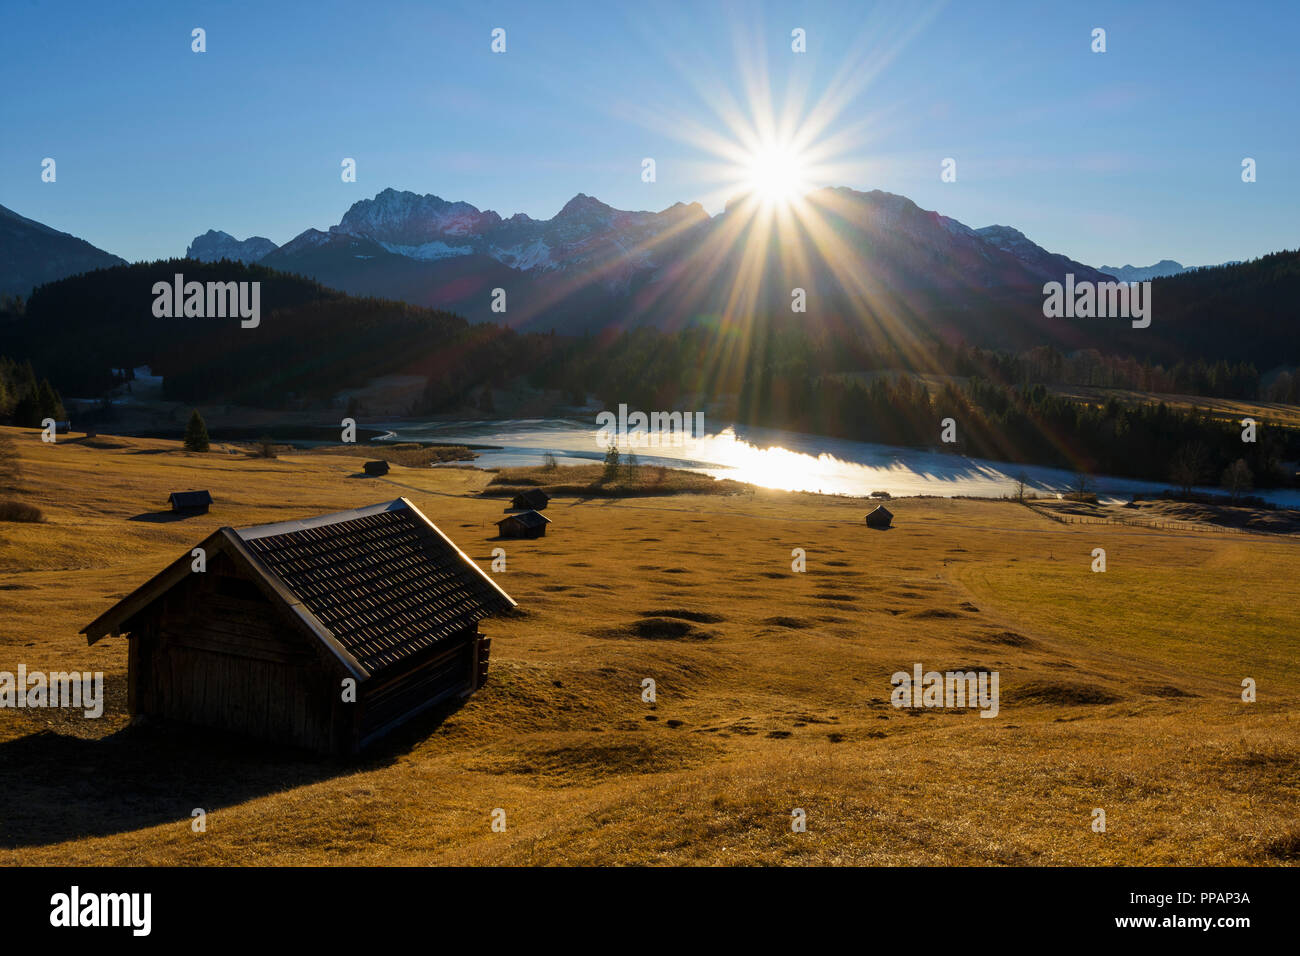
[
  {"x": 20, "y": 511},
  {"x": 1063, "y": 693},
  {"x": 699, "y": 617},
  {"x": 657, "y": 629}
]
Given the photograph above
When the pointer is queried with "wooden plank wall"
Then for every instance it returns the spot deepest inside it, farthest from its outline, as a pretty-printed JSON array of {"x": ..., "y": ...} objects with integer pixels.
[{"x": 216, "y": 653}]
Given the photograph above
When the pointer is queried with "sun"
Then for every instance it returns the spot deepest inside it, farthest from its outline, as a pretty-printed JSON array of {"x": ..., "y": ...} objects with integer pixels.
[{"x": 776, "y": 175}]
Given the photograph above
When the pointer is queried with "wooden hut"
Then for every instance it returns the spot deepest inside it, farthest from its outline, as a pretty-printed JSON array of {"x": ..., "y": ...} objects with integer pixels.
[
  {"x": 376, "y": 468},
  {"x": 880, "y": 518},
  {"x": 525, "y": 524},
  {"x": 190, "y": 502},
  {"x": 324, "y": 633},
  {"x": 534, "y": 499}
]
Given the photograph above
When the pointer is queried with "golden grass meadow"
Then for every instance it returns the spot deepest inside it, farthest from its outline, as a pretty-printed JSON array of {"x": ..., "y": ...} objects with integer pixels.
[{"x": 1119, "y": 690}]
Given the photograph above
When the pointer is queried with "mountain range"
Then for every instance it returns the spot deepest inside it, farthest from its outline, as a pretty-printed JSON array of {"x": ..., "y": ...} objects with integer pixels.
[
  {"x": 874, "y": 255},
  {"x": 1163, "y": 268},
  {"x": 592, "y": 265},
  {"x": 32, "y": 254},
  {"x": 213, "y": 246},
  {"x": 427, "y": 228}
]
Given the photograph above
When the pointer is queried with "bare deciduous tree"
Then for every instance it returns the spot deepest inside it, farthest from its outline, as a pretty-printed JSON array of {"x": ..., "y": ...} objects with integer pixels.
[
  {"x": 1188, "y": 467},
  {"x": 1022, "y": 481},
  {"x": 1238, "y": 479},
  {"x": 1083, "y": 484}
]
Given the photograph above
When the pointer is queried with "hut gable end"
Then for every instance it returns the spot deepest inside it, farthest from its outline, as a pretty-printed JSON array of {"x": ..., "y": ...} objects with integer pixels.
[{"x": 881, "y": 517}]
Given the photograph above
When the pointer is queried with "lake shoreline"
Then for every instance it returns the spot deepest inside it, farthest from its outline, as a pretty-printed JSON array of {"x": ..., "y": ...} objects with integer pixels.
[{"x": 770, "y": 458}]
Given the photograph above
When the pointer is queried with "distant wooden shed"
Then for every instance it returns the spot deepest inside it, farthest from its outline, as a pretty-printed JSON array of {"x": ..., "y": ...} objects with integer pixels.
[
  {"x": 534, "y": 499},
  {"x": 190, "y": 502},
  {"x": 265, "y": 641},
  {"x": 880, "y": 518},
  {"x": 376, "y": 468},
  {"x": 526, "y": 524}
]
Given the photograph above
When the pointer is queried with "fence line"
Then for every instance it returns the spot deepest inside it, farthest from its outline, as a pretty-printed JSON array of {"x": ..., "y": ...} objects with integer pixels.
[{"x": 1170, "y": 525}]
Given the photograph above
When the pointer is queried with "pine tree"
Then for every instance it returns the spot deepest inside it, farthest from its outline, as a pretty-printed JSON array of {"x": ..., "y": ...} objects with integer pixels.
[
  {"x": 47, "y": 402},
  {"x": 196, "y": 433},
  {"x": 27, "y": 381},
  {"x": 611, "y": 462}
]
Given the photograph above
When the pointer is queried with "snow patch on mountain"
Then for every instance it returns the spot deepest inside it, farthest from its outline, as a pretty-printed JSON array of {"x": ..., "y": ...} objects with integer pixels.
[
  {"x": 428, "y": 251},
  {"x": 409, "y": 219},
  {"x": 533, "y": 255}
]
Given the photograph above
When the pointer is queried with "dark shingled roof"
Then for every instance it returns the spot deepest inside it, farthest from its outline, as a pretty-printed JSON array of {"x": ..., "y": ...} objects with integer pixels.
[
  {"x": 383, "y": 580},
  {"x": 190, "y": 499},
  {"x": 881, "y": 516},
  {"x": 534, "y": 498},
  {"x": 375, "y": 585}
]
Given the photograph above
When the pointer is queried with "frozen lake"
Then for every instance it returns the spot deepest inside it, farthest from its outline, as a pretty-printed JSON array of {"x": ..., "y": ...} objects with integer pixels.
[{"x": 773, "y": 458}]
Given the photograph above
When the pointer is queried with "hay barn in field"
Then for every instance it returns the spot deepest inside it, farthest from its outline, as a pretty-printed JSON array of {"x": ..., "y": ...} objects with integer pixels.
[
  {"x": 376, "y": 468},
  {"x": 190, "y": 502},
  {"x": 532, "y": 500},
  {"x": 880, "y": 518},
  {"x": 526, "y": 524},
  {"x": 262, "y": 641}
]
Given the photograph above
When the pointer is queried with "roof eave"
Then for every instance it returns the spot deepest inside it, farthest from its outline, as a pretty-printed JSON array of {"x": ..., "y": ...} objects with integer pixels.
[
  {"x": 111, "y": 621},
  {"x": 463, "y": 556}
]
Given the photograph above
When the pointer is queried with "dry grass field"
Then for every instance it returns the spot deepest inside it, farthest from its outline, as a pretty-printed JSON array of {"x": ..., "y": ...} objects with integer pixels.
[{"x": 1119, "y": 691}]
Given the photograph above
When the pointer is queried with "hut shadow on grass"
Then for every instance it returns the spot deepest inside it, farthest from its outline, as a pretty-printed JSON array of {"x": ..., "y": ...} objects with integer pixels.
[
  {"x": 70, "y": 788},
  {"x": 165, "y": 517},
  {"x": 408, "y": 736}
]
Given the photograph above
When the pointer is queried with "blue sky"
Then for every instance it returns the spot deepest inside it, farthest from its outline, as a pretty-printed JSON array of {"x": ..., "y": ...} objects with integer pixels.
[{"x": 1124, "y": 157}]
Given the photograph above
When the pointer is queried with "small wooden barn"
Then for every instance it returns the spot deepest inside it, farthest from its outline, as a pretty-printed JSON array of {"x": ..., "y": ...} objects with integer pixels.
[
  {"x": 190, "y": 502},
  {"x": 534, "y": 499},
  {"x": 525, "y": 524},
  {"x": 880, "y": 518},
  {"x": 325, "y": 633},
  {"x": 376, "y": 468}
]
